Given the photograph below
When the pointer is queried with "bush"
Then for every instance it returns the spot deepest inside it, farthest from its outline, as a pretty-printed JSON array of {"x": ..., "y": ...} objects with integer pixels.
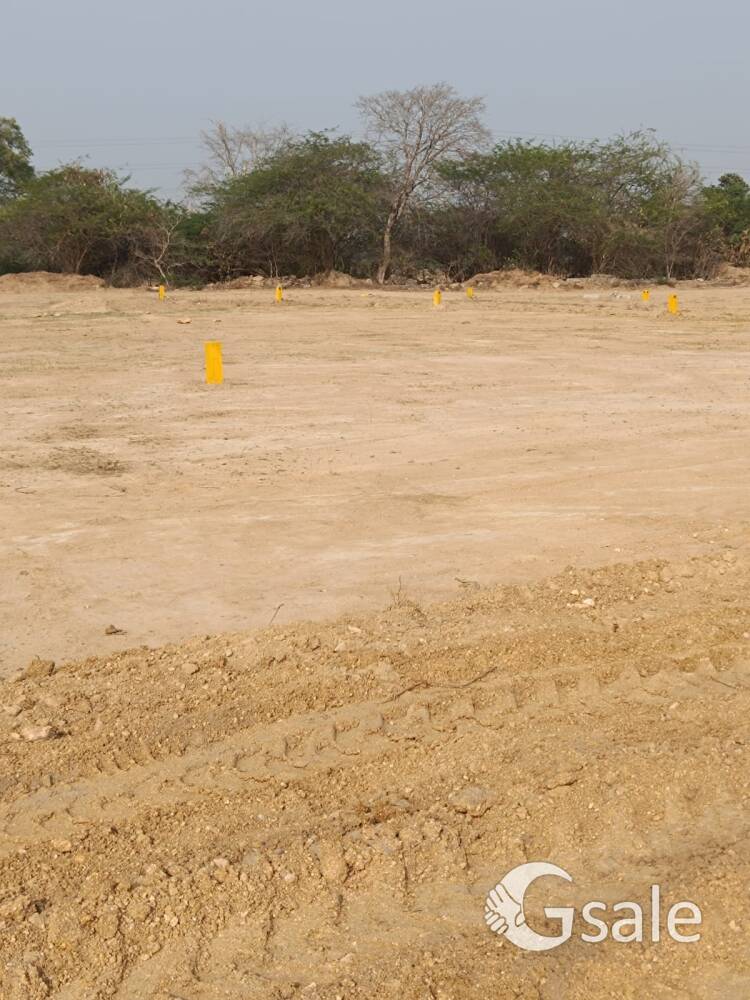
[
  {"x": 316, "y": 205},
  {"x": 301, "y": 205},
  {"x": 77, "y": 220}
]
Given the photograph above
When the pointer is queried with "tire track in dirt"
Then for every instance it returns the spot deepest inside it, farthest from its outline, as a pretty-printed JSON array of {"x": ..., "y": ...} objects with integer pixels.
[
  {"x": 318, "y": 810},
  {"x": 339, "y": 739}
]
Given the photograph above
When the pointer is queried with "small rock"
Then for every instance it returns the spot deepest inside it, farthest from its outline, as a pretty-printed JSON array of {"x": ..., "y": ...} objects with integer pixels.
[
  {"x": 588, "y": 602},
  {"x": 33, "y": 734},
  {"x": 114, "y": 630},
  {"x": 684, "y": 570},
  {"x": 473, "y": 800},
  {"x": 190, "y": 668},
  {"x": 107, "y": 926},
  {"x": 563, "y": 780},
  {"x": 139, "y": 909}
]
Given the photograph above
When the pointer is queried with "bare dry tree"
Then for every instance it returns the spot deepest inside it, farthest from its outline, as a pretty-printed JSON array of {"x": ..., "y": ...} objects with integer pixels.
[
  {"x": 676, "y": 211},
  {"x": 154, "y": 244},
  {"x": 414, "y": 129},
  {"x": 233, "y": 152}
]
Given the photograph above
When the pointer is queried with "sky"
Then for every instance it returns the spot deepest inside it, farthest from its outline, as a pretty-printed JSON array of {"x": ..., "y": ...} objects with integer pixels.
[{"x": 132, "y": 85}]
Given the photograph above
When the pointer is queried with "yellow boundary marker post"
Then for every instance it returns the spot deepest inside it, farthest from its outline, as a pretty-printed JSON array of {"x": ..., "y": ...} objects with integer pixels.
[
  {"x": 470, "y": 292},
  {"x": 214, "y": 366},
  {"x": 645, "y": 294},
  {"x": 279, "y": 294},
  {"x": 162, "y": 293},
  {"x": 672, "y": 305},
  {"x": 437, "y": 298}
]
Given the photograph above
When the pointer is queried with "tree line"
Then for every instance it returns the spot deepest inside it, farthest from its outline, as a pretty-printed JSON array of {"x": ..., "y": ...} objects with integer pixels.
[{"x": 424, "y": 191}]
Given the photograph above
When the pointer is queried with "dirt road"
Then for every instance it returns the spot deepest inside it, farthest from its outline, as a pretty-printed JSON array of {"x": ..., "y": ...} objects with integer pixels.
[{"x": 359, "y": 440}]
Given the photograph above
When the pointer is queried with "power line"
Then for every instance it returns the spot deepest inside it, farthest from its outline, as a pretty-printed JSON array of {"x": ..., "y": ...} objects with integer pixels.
[
  {"x": 91, "y": 143},
  {"x": 98, "y": 144},
  {"x": 99, "y": 141}
]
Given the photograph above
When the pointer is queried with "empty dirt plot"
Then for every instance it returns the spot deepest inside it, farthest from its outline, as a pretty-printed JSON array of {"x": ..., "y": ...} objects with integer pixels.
[
  {"x": 202, "y": 798},
  {"x": 363, "y": 444}
]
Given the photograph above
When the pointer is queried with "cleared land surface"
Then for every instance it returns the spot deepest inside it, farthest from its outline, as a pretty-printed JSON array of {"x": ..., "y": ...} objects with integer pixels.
[
  {"x": 359, "y": 439},
  {"x": 317, "y": 810}
]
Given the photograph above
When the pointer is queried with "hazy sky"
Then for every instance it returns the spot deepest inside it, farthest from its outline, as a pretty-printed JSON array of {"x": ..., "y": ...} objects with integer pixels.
[{"x": 131, "y": 84}]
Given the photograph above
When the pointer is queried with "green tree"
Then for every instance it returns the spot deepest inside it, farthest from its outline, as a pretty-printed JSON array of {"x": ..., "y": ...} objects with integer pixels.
[
  {"x": 629, "y": 207},
  {"x": 728, "y": 203},
  {"x": 79, "y": 220},
  {"x": 728, "y": 206},
  {"x": 315, "y": 205},
  {"x": 15, "y": 159},
  {"x": 535, "y": 204}
]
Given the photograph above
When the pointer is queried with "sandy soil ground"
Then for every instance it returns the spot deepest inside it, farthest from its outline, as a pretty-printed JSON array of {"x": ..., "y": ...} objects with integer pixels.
[
  {"x": 359, "y": 440},
  {"x": 318, "y": 810}
]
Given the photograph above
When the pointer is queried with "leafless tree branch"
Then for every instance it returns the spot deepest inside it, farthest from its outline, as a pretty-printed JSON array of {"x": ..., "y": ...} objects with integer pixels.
[{"x": 414, "y": 130}]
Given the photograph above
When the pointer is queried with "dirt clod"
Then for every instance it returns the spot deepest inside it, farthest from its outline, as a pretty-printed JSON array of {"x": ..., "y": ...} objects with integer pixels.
[{"x": 39, "y": 668}]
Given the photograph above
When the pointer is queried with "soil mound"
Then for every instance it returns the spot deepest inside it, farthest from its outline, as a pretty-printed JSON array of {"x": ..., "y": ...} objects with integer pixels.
[
  {"x": 334, "y": 279},
  {"x": 730, "y": 276},
  {"x": 43, "y": 280},
  {"x": 326, "y": 279},
  {"x": 243, "y": 281},
  {"x": 255, "y": 281},
  {"x": 513, "y": 278}
]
